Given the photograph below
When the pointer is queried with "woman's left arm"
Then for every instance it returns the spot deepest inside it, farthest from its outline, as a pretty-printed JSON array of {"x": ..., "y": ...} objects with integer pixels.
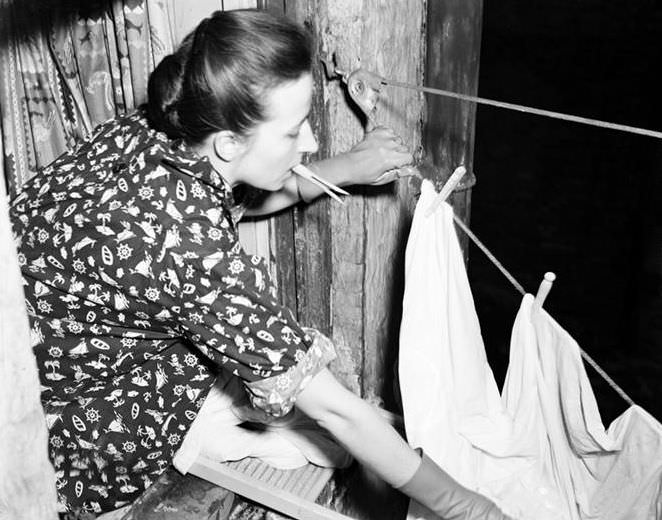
[
  {"x": 372, "y": 441},
  {"x": 381, "y": 150}
]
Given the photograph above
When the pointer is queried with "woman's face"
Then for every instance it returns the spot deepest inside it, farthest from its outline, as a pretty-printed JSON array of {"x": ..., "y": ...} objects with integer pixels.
[{"x": 276, "y": 144}]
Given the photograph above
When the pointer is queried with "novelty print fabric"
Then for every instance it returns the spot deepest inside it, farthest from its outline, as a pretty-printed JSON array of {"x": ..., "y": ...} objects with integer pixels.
[{"x": 138, "y": 293}]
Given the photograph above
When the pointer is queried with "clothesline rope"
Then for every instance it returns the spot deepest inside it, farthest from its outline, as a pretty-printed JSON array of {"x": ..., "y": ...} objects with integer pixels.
[
  {"x": 528, "y": 110},
  {"x": 489, "y": 255},
  {"x": 521, "y": 290},
  {"x": 554, "y": 115}
]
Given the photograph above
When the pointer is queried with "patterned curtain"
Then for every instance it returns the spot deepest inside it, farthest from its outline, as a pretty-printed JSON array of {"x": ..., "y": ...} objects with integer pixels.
[{"x": 67, "y": 66}]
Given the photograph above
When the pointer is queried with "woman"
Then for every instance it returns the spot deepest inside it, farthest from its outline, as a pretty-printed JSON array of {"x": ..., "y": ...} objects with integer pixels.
[{"x": 139, "y": 293}]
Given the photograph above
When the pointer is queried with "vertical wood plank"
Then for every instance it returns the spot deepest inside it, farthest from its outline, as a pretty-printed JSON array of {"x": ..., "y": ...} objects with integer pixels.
[
  {"x": 187, "y": 15},
  {"x": 362, "y": 242},
  {"x": 338, "y": 290},
  {"x": 453, "y": 55},
  {"x": 229, "y": 5},
  {"x": 283, "y": 254},
  {"x": 273, "y": 6},
  {"x": 388, "y": 25}
]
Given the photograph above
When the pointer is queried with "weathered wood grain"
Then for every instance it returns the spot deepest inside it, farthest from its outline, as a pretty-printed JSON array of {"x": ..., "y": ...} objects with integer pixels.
[
  {"x": 452, "y": 63},
  {"x": 362, "y": 242},
  {"x": 273, "y": 6},
  {"x": 229, "y": 5},
  {"x": 392, "y": 45},
  {"x": 340, "y": 28}
]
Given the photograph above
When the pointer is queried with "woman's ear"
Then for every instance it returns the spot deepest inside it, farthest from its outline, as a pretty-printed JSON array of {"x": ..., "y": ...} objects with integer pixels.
[{"x": 228, "y": 145}]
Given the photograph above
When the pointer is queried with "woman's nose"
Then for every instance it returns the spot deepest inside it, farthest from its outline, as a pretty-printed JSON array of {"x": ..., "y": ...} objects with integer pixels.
[{"x": 307, "y": 141}]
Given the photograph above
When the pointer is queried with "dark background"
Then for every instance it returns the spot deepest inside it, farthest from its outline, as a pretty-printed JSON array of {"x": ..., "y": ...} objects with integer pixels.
[{"x": 581, "y": 201}]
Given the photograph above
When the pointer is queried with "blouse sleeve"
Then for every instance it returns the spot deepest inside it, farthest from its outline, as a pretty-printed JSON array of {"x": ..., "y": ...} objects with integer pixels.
[{"x": 227, "y": 307}]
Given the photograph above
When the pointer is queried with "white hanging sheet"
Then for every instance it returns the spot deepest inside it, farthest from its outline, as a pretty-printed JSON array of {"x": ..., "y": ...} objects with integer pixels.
[{"x": 539, "y": 450}]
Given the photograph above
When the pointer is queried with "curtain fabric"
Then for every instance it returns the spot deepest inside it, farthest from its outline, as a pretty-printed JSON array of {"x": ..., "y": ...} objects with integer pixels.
[{"x": 67, "y": 67}]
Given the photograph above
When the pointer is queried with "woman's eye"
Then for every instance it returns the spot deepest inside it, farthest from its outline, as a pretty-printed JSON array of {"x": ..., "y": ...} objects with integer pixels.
[{"x": 294, "y": 135}]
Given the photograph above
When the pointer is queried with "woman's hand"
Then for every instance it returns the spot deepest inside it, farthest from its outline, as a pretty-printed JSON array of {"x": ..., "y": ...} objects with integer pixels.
[
  {"x": 375, "y": 159},
  {"x": 358, "y": 427},
  {"x": 378, "y": 156}
]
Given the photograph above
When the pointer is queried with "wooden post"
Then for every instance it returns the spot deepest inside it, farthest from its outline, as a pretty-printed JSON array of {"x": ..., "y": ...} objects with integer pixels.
[
  {"x": 453, "y": 54},
  {"x": 342, "y": 266},
  {"x": 350, "y": 258}
]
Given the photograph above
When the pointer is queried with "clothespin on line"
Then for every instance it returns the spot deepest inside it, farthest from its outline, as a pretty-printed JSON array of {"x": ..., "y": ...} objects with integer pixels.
[
  {"x": 447, "y": 189},
  {"x": 543, "y": 290}
]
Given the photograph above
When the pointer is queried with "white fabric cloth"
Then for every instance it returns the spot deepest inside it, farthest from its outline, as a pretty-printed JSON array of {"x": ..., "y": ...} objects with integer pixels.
[
  {"x": 284, "y": 443},
  {"x": 539, "y": 450}
]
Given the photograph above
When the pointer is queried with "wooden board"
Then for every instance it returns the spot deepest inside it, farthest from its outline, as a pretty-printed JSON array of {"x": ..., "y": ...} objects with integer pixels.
[
  {"x": 452, "y": 63},
  {"x": 349, "y": 258},
  {"x": 292, "y": 492}
]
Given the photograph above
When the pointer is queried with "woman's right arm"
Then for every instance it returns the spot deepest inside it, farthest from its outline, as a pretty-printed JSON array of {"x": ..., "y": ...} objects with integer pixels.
[
  {"x": 378, "y": 152},
  {"x": 373, "y": 442}
]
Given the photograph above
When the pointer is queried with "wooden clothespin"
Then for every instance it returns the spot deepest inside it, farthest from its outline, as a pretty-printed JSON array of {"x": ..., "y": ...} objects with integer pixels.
[
  {"x": 447, "y": 189},
  {"x": 543, "y": 291}
]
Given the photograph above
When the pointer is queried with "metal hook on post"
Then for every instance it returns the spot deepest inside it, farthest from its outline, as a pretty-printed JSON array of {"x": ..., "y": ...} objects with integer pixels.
[{"x": 364, "y": 88}]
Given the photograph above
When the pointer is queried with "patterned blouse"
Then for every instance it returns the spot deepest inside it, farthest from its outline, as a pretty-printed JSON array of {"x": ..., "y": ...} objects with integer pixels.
[{"x": 139, "y": 293}]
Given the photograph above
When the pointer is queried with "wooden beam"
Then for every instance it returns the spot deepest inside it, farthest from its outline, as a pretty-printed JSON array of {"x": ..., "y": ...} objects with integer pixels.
[
  {"x": 266, "y": 493},
  {"x": 273, "y": 6},
  {"x": 453, "y": 55},
  {"x": 349, "y": 258},
  {"x": 391, "y": 45}
]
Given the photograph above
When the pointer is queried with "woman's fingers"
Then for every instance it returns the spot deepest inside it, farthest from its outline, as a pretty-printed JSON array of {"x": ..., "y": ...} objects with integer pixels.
[
  {"x": 386, "y": 140},
  {"x": 395, "y": 174},
  {"x": 385, "y": 135},
  {"x": 386, "y": 177},
  {"x": 379, "y": 155},
  {"x": 398, "y": 157}
]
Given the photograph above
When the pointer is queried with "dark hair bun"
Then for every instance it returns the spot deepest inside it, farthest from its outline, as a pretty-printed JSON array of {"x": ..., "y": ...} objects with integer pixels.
[
  {"x": 219, "y": 76},
  {"x": 164, "y": 90}
]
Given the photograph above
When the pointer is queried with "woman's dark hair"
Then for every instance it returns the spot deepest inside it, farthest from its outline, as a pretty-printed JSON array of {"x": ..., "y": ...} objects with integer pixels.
[{"x": 219, "y": 76}]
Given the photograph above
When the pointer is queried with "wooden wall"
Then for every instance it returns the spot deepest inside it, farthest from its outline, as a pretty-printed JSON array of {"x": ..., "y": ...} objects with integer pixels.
[
  {"x": 345, "y": 274},
  {"x": 453, "y": 54},
  {"x": 342, "y": 266},
  {"x": 348, "y": 259}
]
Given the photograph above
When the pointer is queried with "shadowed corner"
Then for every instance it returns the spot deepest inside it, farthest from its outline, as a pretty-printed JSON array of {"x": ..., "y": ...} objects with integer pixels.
[{"x": 29, "y": 17}]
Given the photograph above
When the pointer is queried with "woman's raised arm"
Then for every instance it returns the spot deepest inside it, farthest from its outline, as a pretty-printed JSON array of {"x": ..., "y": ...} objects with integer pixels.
[{"x": 380, "y": 150}]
